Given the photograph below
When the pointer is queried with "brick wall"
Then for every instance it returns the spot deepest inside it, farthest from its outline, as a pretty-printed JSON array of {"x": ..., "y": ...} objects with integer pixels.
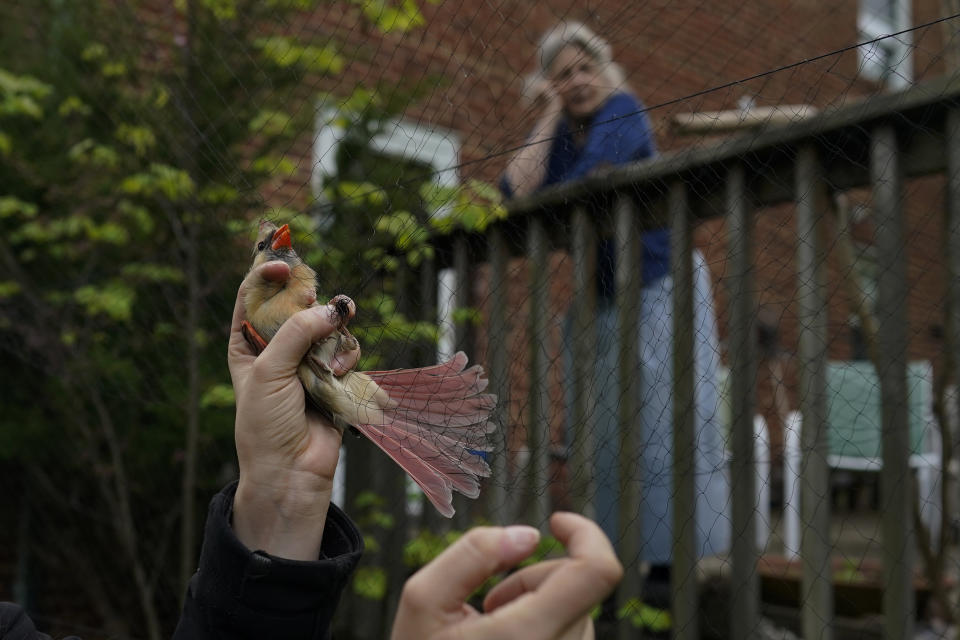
[
  {"x": 672, "y": 53},
  {"x": 479, "y": 52}
]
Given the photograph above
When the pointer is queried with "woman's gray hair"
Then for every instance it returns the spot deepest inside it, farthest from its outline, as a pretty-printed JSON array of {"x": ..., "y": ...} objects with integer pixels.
[{"x": 582, "y": 37}]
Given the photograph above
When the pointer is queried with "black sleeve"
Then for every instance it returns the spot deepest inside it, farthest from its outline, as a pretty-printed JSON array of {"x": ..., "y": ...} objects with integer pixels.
[
  {"x": 238, "y": 593},
  {"x": 15, "y": 624}
]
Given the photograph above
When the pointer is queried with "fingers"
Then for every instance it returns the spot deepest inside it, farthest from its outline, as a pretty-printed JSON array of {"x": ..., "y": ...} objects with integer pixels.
[
  {"x": 563, "y": 594},
  {"x": 344, "y": 361},
  {"x": 590, "y": 574},
  {"x": 445, "y": 584},
  {"x": 520, "y": 582},
  {"x": 295, "y": 336},
  {"x": 239, "y": 352},
  {"x": 583, "y": 539}
]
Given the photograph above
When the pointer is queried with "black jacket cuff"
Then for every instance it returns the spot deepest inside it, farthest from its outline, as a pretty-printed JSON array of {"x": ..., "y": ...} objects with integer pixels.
[{"x": 240, "y": 593}]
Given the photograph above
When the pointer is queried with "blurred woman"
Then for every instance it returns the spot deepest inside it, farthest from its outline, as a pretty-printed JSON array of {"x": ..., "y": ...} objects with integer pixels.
[{"x": 590, "y": 119}]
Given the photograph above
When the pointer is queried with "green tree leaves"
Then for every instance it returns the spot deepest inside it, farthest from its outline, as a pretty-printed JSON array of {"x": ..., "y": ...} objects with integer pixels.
[
  {"x": 22, "y": 95},
  {"x": 115, "y": 300},
  {"x": 287, "y": 52}
]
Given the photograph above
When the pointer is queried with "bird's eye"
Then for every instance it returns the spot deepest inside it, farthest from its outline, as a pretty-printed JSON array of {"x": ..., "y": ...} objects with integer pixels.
[{"x": 262, "y": 245}]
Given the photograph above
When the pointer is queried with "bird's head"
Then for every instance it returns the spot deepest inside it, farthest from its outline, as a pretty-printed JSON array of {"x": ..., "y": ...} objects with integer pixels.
[{"x": 273, "y": 243}]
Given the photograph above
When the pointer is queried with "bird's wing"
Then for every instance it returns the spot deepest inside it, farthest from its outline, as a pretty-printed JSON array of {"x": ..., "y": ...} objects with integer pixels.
[
  {"x": 257, "y": 343},
  {"x": 435, "y": 426}
]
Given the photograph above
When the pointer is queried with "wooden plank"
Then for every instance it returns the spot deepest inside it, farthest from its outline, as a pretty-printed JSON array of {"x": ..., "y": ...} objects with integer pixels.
[
  {"x": 730, "y": 120},
  {"x": 434, "y": 297},
  {"x": 581, "y": 470},
  {"x": 684, "y": 572},
  {"x": 461, "y": 341},
  {"x": 745, "y": 592},
  {"x": 952, "y": 249},
  {"x": 895, "y": 480},
  {"x": 924, "y": 102},
  {"x": 461, "y": 269},
  {"x": 628, "y": 279},
  {"x": 817, "y": 582},
  {"x": 538, "y": 428},
  {"x": 501, "y": 500}
]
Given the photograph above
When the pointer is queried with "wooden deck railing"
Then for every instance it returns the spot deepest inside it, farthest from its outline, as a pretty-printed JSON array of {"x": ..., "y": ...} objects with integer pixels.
[{"x": 875, "y": 144}]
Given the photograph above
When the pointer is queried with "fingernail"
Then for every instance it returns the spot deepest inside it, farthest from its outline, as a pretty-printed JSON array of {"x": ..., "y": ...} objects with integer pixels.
[{"x": 521, "y": 538}]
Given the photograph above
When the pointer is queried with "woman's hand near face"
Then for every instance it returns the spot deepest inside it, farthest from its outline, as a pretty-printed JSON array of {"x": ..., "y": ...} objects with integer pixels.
[
  {"x": 527, "y": 170},
  {"x": 543, "y": 94}
]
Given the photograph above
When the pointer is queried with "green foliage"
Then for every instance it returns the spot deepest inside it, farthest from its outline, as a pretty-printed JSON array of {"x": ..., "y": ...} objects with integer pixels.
[
  {"x": 219, "y": 395},
  {"x": 274, "y": 166},
  {"x": 643, "y": 616},
  {"x": 89, "y": 152},
  {"x": 548, "y": 547},
  {"x": 389, "y": 17},
  {"x": 172, "y": 183},
  {"x": 12, "y": 206},
  {"x": 426, "y": 545},
  {"x": 472, "y": 206},
  {"x": 8, "y": 288},
  {"x": 115, "y": 300},
  {"x": 140, "y": 138},
  {"x": 222, "y": 9},
  {"x": 467, "y": 316},
  {"x": 371, "y": 511},
  {"x": 286, "y": 52},
  {"x": 358, "y": 192},
  {"x": 128, "y": 191},
  {"x": 393, "y": 325},
  {"x": 22, "y": 95},
  {"x": 850, "y": 573},
  {"x": 270, "y": 122},
  {"x": 370, "y": 583},
  {"x": 215, "y": 194},
  {"x": 73, "y": 105},
  {"x": 302, "y": 5}
]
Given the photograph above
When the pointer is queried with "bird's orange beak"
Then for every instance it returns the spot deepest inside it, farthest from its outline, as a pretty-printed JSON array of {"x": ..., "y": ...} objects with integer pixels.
[{"x": 281, "y": 238}]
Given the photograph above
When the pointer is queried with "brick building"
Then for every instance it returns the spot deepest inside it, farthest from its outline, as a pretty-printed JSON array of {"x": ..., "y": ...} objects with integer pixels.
[{"x": 678, "y": 59}]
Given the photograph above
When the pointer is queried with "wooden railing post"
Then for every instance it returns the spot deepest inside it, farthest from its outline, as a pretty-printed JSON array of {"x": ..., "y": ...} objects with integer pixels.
[
  {"x": 501, "y": 500},
  {"x": 952, "y": 250},
  {"x": 744, "y": 587},
  {"x": 812, "y": 206},
  {"x": 895, "y": 479},
  {"x": 684, "y": 571},
  {"x": 538, "y": 428},
  {"x": 628, "y": 279},
  {"x": 461, "y": 341},
  {"x": 584, "y": 311}
]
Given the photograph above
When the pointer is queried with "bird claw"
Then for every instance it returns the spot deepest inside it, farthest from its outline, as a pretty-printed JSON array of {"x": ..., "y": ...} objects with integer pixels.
[{"x": 344, "y": 307}]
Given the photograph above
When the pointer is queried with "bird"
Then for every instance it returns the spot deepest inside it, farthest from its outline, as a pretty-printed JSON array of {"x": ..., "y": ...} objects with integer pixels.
[{"x": 433, "y": 421}]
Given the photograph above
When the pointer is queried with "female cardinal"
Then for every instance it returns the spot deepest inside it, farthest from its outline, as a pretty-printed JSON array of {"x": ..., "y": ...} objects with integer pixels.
[{"x": 429, "y": 420}]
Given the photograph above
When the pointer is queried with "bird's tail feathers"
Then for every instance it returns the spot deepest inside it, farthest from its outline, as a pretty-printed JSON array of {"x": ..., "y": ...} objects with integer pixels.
[{"x": 436, "y": 426}]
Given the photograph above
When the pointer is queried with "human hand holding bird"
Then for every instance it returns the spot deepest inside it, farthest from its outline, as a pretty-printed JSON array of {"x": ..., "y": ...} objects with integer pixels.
[
  {"x": 287, "y": 455},
  {"x": 429, "y": 420}
]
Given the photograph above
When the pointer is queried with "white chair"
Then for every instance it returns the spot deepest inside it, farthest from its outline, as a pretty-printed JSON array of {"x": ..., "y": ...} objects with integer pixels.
[{"x": 854, "y": 439}]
